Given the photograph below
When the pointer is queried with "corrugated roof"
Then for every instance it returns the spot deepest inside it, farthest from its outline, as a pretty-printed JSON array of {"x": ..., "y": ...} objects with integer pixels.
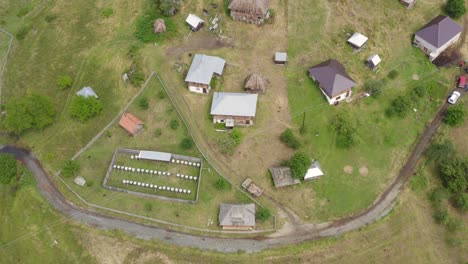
[
  {"x": 87, "y": 92},
  {"x": 130, "y": 123},
  {"x": 375, "y": 59},
  {"x": 155, "y": 155},
  {"x": 234, "y": 104},
  {"x": 282, "y": 177},
  {"x": 203, "y": 67},
  {"x": 194, "y": 20},
  {"x": 357, "y": 39},
  {"x": 259, "y": 7},
  {"x": 332, "y": 77},
  {"x": 237, "y": 214},
  {"x": 439, "y": 31},
  {"x": 281, "y": 56},
  {"x": 314, "y": 171}
]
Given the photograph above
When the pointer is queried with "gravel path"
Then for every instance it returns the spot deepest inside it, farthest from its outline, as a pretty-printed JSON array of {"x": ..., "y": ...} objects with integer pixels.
[{"x": 300, "y": 232}]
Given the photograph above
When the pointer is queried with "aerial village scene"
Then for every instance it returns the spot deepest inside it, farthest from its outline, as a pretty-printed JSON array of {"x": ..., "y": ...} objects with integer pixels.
[{"x": 237, "y": 131}]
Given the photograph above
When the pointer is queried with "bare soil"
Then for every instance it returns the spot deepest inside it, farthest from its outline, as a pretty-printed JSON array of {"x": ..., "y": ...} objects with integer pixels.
[
  {"x": 199, "y": 41},
  {"x": 364, "y": 171},
  {"x": 348, "y": 169}
]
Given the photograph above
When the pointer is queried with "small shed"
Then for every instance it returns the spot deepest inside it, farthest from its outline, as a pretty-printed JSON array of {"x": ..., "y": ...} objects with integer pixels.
[
  {"x": 237, "y": 216},
  {"x": 159, "y": 26},
  {"x": 80, "y": 181},
  {"x": 314, "y": 172},
  {"x": 357, "y": 40},
  {"x": 281, "y": 57},
  {"x": 87, "y": 92},
  {"x": 282, "y": 177},
  {"x": 251, "y": 187},
  {"x": 408, "y": 3},
  {"x": 194, "y": 22},
  {"x": 131, "y": 124},
  {"x": 255, "y": 83},
  {"x": 373, "y": 61}
]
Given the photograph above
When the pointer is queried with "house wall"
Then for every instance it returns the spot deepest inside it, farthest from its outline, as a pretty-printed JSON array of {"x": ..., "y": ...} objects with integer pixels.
[
  {"x": 238, "y": 120},
  {"x": 249, "y": 17},
  {"x": 339, "y": 97},
  {"x": 199, "y": 88},
  {"x": 432, "y": 51},
  {"x": 238, "y": 227}
]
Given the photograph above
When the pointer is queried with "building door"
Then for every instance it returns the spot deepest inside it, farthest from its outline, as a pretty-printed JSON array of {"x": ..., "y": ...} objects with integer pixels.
[{"x": 204, "y": 90}]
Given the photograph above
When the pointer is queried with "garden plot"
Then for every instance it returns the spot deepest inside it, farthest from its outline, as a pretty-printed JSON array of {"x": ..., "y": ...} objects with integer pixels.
[{"x": 159, "y": 175}]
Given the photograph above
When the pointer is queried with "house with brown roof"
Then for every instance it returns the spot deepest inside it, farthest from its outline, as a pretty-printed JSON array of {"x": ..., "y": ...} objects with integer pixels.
[
  {"x": 131, "y": 124},
  {"x": 437, "y": 35},
  {"x": 333, "y": 80},
  {"x": 237, "y": 216},
  {"x": 251, "y": 11},
  {"x": 282, "y": 177}
]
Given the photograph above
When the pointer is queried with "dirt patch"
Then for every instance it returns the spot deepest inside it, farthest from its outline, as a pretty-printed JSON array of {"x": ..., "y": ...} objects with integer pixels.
[
  {"x": 107, "y": 250},
  {"x": 197, "y": 42},
  {"x": 415, "y": 77},
  {"x": 364, "y": 171},
  {"x": 348, "y": 169}
]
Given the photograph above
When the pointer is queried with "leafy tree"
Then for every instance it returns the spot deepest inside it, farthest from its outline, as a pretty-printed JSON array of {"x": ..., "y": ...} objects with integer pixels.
[
  {"x": 455, "y": 8},
  {"x": 174, "y": 124},
  {"x": 374, "y": 87},
  {"x": 454, "y": 174},
  {"x": 161, "y": 94},
  {"x": 169, "y": 7},
  {"x": 440, "y": 151},
  {"x": 70, "y": 168},
  {"x": 455, "y": 115},
  {"x": 400, "y": 106},
  {"x": 33, "y": 111},
  {"x": 461, "y": 201},
  {"x": 345, "y": 130},
  {"x": 288, "y": 138},
  {"x": 137, "y": 78},
  {"x": 7, "y": 168},
  {"x": 186, "y": 143},
  {"x": 263, "y": 214},
  {"x": 143, "y": 103},
  {"x": 231, "y": 141},
  {"x": 85, "y": 108},
  {"x": 64, "y": 82},
  {"x": 299, "y": 163},
  {"x": 222, "y": 184}
]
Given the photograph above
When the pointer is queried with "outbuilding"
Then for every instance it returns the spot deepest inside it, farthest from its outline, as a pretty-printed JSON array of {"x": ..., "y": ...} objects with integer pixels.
[
  {"x": 237, "y": 216},
  {"x": 357, "y": 40},
  {"x": 131, "y": 124},
  {"x": 314, "y": 172},
  {"x": 281, "y": 57},
  {"x": 195, "y": 23},
  {"x": 234, "y": 109},
  {"x": 202, "y": 70},
  {"x": 255, "y": 83},
  {"x": 408, "y": 3},
  {"x": 87, "y": 92},
  {"x": 251, "y": 11},
  {"x": 282, "y": 177},
  {"x": 373, "y": 61}
]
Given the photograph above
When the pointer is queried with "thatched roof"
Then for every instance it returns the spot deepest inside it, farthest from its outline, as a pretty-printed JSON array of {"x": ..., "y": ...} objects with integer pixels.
[
  {"x": 256, "y": 83},
  {"x": 159, "y": 26},
  {"x": 250, "y": 6}
]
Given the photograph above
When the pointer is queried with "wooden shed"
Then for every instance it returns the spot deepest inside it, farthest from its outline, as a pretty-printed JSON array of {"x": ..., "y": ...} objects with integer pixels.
[
  {"x": 251, "y": 11},
  {"x": 255, "y": 83},
  {"x": 159, "y": 26}
]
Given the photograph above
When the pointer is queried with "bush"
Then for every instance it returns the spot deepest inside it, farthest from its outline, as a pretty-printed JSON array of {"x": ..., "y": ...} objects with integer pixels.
[
  {"x": 70, "y": 168},
  {"x": 64, "y": 82},
  {"x": 455, "y": 115},
  {"x": 453, "y": 173},
  {"x": 174, "y": 124},
  {"x": 108, "y": 134},
  {"x": 374, "y": 87},
  {"x": 441, "y": 217},
  {"x": 455, "y": 8},
  {"x": 263, "y": 214},
  {"x": 84, "y": 108},
  {"x": 186, "y": 143},
  {"x": 158, "y": 132},
  {"x": 222, "y": 184},
  {"x": 453, "y": 225},
  {"x": 143, "y": 103},
  {"x": 107, "y": 12},
  {"x": 22, "y": 32},
  {"x": 345, "y": 130},
  {"x": 418, "y": 182},
  {"x": 440, "y": 151},
  {"x": 461, "y": 201},
  {"x": 437, "y": 196},
  {"x": 137, "y": 78},
  {"x": 236, "y": 136},
  {"x": 148, "y": 207},
  {"x": 231, "y": 141},
  {"x": 392, "y": 74},
  {"x": 299, "y": 164},
  {"x": 89, "y": 183},
  {"x": 400, "y": 106},
  {"x": 418, "y": 91},
  {"x": 288, "y": 138},
  {"x": 161, "y": 94},
  {"x": 169, "y": 7},
  {"x": 8, "y": 168}
]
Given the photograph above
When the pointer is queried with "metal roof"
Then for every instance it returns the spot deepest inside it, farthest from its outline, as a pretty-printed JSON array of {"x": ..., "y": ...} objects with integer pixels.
[
  {"x": 439, "y": 31},
  {"x": 375, "y": 59},
  {"x": 237, "y": 214},
  {"x": 281, "y": 56},
  {"x": 357, "y": 39},
  {"x": 332, "y": 77},
  {"x": 234, "y": 104},
  {"x": 203, "y": 67},
  {"x": 194, "y": 20},
  {"x": 155, "y": 155},
  {"x": 87, "y": 92},
  {"x": 314, "y": 171}
]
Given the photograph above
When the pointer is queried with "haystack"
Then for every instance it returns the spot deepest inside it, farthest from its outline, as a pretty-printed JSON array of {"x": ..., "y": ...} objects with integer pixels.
[
  {"x": 255, "y": 83},
  {"x": 159, "y": 26}
]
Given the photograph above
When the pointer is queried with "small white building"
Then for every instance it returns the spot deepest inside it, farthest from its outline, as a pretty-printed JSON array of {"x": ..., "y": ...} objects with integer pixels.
[
  {"x": 195, "y": 23},
  {"x": 373, "y": 61},
  {"x": 87, "y": 92},
  {"x": 281, "y": 57},
  {"x": 437, "y": 35},
  {"x": 80, "y": 181},
  {"x": 314, "y": 172},
  {"x": 357, "y": 40}
]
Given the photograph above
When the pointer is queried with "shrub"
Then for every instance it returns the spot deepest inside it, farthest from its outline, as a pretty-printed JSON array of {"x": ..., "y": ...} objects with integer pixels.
[
  {"x": 70, "y": 168},
  {"x": 90, "y": 183},
  {"x": 437, "y": 196},
  {"x": 50, "y": 18},
  {"x": 288, "y": 138},
  {"x": 236, "y": 136},
  {"x": 137, "y": 78},
  {"x": 441, "y": 217},
  {"x": 161, "y": 94},
  {"x": 169, "y": 7},
  {"x": 400, "y": 106},
  {"x": 455, "y": 115},
  {"x": 108, "y": 134},
  {"x": 143, "y": 103},
  {"x": 85, "y": 108},
  {"x": 158, "y": 132},
  {"x": 461, "y": 201},
  {"x": 23, "y": 11},
  {"x": 148, "y": 207},
  {"x": 299, "y": 163},
  {"x": 222, "y": 184},
  {"x": 453, "y": 173},
  {"x": 22, "y": 32},
  {"x": 440, "y": 151},
  {"x": 107, "y": 12},
  {"x": 263, "y": 214},
  {"x": 8, "y": 168},
  {"x": 374, "y": 87},
  {"x": 186, "y": 143},
  {"x": 392, "y": 74},
  {"x": 453, "y": 224},
  {"x": 64, "y": 82},
  {"x": 345, "y": 130},
  {"x": 419, "y": 91},
  {"x": 418, "y": 183},
  {"x": 231, "y": 141},
  {"x": 455, "y": 8},
  {"x": 174, "y": 124}
]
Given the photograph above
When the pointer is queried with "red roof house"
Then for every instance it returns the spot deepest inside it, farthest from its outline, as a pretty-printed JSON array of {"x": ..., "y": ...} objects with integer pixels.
[{"x": 131, "y": 124}]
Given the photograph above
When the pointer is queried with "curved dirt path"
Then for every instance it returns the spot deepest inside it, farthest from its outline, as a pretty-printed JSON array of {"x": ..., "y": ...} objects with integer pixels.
[{"x": 300, "y": 232}]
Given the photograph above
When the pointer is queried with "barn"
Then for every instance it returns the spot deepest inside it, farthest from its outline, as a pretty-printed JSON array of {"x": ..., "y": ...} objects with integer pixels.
[{"x": 251, "y": 11}]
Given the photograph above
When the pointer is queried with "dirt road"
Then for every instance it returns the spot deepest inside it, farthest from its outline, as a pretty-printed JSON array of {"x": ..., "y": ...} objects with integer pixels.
[{"x": 300, "y": 232}]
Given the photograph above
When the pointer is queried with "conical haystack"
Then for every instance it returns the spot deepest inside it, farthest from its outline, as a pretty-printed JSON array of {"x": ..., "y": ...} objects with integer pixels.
[
  {"x": 255, "y": 83},
  {"x": 159, "y": 26}
]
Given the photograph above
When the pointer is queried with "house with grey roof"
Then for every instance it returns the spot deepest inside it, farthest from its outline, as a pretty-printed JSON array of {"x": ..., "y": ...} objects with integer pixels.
[
  {"x": 202, "y": 70},
  {"x": 437, "y": 35},
  {"x": 237, "y": 216},
  {"x": 282, "y": 177},
  {"x": 87, "y": 92},
  {"x": 333, "y": 80},
  {"x": 234, "y": 109}
]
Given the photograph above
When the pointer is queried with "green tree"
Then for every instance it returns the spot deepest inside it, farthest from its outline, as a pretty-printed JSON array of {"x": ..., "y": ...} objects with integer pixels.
[
  {"x": 400, "y": 106},
  {"x": 186, "y": 143},
  {"x": 455, "y": 8},
  {"x": 169, "y": 7},
  {"x": 345, "y": 130},
  {"x": 7, "y": 168},
  {"x": 64, "y": 82},
  {"x": 263, "y": 214},
  {"x": 137, "y": 78},
  {"x": 236, "y": 136},
  {"x": 440, "y": 151},
  {"x": 299, "y": 164},
  {"x": 461, "y": 201},
  {"x": 70, "y": 168},
  {"x": 174, "y": 124},
  {"x": 455, "y": 115},
  {"x": 288, "y": 138},
  {"x": 374, "y": 87},
  {"x": 85, "y": 108},
  {"x": 41, "y": 110},
  {"x": 454, "y": 174}
]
